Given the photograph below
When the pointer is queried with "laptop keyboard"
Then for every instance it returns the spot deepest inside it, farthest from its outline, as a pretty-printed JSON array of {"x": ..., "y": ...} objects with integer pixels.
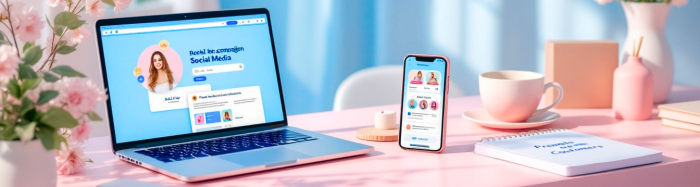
[{"x": 224, "y": 145}]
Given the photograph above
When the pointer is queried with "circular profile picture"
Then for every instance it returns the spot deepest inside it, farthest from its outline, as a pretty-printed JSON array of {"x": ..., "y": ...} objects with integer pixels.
[
  {"x": 423, "y": 104},
  {"x": 433, "y": 105},
  {"x": 161, "y": 68},
  {"x": 194, "y": 98},
  {"x": 412, "y": 104},
  {"x": 408, "y": 127}
]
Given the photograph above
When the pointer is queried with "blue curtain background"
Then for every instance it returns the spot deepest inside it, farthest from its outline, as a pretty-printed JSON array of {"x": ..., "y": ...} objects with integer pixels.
[{"x": 320, "y": 43}]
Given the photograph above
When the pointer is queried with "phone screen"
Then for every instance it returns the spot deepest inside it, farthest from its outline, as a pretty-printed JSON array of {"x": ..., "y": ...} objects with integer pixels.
[{"x": 423, "y": 101}]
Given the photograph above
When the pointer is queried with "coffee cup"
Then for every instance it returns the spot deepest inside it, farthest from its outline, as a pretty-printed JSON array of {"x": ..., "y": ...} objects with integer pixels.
[{"x": 513, "y": 96}]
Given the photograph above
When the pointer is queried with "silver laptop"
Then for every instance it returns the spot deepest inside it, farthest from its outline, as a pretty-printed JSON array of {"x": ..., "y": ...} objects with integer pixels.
[{"x": 198, "y": 96}]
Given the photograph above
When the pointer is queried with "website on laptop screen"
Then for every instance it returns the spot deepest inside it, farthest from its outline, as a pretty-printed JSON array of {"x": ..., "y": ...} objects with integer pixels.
[{"x": 189, "y": 76}]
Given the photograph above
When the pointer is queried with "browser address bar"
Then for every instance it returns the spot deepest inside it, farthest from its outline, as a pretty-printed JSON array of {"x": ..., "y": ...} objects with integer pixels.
[
  {"x": 169, "y": 28},
  {"x": 183, "y": 26}
]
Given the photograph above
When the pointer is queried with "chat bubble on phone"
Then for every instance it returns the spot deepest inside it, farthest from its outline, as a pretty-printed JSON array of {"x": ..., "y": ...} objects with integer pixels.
[{"x": 225, "y": 108}]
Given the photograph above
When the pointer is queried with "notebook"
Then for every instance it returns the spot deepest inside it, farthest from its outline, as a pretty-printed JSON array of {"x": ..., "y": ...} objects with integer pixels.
[
  {"x": 566, "y": 152},
  {"x": 686, "y": 111},
  {"x": 680, "y": 124}
]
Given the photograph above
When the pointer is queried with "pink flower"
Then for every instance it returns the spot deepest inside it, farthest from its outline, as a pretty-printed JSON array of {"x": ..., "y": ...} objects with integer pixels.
[
  {"x": 70, "y": 159},
  {"x": 8, "y": 62},
  {"x": 94, "y": 8},
  {"x": 602, "y": 2},
  {"x": 15, "y": 8},
  {"x": 33, "y": 95},
  {"x": 78, "y": 96},
  {"x": 679, "y": 3},
  {"x": 120, "y": 5},
  {"x": 76, "y": 36},
  {"x": 53, "y": 3},
  {"x": 30, "y": 24},
  {"x": 81, "y": 132}
]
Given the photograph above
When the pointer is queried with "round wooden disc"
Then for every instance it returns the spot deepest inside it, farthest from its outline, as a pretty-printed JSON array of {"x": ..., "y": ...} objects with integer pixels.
[{"x": 378, "y": 135}]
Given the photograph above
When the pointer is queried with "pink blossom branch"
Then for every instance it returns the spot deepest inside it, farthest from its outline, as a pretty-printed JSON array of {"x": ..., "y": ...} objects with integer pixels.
[{"x": 7, "y": 6}]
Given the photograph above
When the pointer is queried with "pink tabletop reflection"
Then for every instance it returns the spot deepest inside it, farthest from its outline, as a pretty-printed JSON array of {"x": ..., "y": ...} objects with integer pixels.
[{"x": 389, "y": 165}]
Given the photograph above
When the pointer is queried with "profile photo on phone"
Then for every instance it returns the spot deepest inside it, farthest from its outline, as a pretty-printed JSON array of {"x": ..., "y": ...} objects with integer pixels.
[
  {"x": 412, "y": 104},
  {"x": 423, "y": 104}
]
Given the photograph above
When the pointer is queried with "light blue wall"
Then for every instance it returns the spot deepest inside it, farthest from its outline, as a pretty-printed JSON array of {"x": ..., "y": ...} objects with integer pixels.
[{"x": 319, "y": 43}]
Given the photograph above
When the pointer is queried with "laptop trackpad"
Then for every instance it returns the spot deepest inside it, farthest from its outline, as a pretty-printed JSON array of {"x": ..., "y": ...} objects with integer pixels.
[{"x": 271, "y": 157}]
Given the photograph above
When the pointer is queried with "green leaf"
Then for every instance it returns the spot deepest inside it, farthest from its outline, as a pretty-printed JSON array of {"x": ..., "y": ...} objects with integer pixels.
[
  {"x": 27, "y": 46},
  {"x": 109, "y": 2},
  {"x": 26, "y": 106},
  {"x": 8, "y": 132},
  {"x": 48, "y": 137},
  {"x": 2, "y": 36},
  {"x": 58, "y": 30},
  {"x": 68, "y": 19},
  {"x": 46, "y": 96},
  {"x": 93, "y": 116},
  {"x": 26, "y": 132},
  {"x": 26, "y": 72},
  {"x": 50, "y": 77},
  {"x": 58, "y": 118},
  {"x": 66, "y": 71},
  {"x": 32, "y": 55},
  {"x": 62, "y": 43},
  {"x": 30, "y": 84},
  {"x": 47, "y": 21},
  {"x": 65, "y": 49},
  {"x": 14, "y": 89}
]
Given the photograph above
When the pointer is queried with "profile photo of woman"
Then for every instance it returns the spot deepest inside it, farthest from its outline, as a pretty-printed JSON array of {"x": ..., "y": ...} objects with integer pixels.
[
  {"x": 227, "y": 116},
  {"x": 160, "y": 79},
  {"x": 433, "y": 105},
  {"x": 412, "y": 104},
  {"x": 423, "y": 104},
  {"x": 433, "y": 80},
  {"x": 418, "y": 79}
]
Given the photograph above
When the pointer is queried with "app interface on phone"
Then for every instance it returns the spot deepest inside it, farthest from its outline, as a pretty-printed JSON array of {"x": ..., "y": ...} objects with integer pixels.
[{"x": 421, "y": 118}]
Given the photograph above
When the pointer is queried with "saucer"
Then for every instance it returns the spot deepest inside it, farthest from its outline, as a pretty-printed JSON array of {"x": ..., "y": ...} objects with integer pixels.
[{"x": 481, "y": 117}]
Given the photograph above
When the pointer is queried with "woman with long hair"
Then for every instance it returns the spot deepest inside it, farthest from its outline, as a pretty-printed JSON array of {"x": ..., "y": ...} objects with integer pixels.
[
  {"x": 433, "y": 80},
  {"x": 160, "y": 78}
]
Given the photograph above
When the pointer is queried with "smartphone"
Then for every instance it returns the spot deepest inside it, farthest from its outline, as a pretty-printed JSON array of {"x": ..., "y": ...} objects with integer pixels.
[{"x": 424, "y": 102}]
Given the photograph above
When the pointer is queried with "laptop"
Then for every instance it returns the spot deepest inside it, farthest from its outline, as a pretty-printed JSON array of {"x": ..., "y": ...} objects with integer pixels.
[{"x": 198, "y": 96}]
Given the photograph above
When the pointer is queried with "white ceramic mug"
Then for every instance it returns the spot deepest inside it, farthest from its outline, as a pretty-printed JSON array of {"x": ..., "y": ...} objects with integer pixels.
[{"x": 513, "y": 96}]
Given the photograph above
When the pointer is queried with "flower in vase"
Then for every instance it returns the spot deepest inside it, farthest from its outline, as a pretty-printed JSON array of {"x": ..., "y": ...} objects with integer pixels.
[
  {"x": 30, "y": 24},
  {"x": 53, "y": 3},
  {"x": 81, "y": 132},
  {"x": 70, "y": 159},
  {"x": 79, "y": 96},
  {"x": 94, "y": 8},
  {"x": 120, "y": 5},
  {"x": 8, "y": 62},
  {"x": 78, "y": 35}
]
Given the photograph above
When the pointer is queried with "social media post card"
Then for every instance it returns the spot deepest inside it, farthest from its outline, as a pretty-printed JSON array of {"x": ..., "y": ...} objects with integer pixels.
[
  {"x": 422, "y": 128},
  {"x": 175, "y": 98},
  {"x": 225, "y": 108},
  {"x": 423, "y": 81}
]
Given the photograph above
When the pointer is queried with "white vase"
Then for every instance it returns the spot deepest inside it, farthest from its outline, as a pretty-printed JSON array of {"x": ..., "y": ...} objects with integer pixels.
[
  {"x": 26, "y": 164},
  {"x": 649, "y": 20}
]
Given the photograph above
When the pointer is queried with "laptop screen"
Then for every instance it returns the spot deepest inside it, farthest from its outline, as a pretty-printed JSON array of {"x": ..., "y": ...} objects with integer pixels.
[{"x": 189, "y": 76}]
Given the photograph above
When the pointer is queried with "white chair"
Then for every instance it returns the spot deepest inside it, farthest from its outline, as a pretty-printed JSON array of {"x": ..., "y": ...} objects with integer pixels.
[{"x": 375, "y": 86}]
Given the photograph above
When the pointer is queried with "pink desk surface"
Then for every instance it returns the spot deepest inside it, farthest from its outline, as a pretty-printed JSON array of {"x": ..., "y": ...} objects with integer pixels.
[{"x": 389, "y": 165}]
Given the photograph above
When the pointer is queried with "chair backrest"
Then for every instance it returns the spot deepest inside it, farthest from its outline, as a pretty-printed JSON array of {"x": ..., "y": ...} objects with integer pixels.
[{"x": 375, "y": 86}]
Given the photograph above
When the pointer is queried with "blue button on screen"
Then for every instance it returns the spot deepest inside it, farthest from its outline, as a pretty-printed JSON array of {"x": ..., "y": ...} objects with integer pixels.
[{"x": 200, "y": 78}]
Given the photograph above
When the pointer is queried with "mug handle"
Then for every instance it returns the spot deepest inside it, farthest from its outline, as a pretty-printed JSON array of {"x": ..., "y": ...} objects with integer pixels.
[{"x": 561, "y": 94}]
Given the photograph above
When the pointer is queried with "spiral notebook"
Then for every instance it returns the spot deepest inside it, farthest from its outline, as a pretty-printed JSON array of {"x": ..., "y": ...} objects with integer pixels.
[{"x": 566, "y": 152}]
